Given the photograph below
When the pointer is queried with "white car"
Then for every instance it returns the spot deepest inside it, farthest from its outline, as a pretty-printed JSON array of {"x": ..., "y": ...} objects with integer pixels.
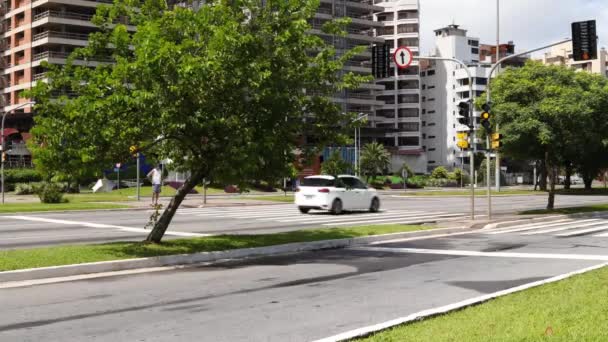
[{"x": 335, "y": 194}]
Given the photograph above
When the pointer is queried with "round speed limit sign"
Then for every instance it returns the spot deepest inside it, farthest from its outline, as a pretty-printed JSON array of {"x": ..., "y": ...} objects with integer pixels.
[{"x": 403, "y": 57}]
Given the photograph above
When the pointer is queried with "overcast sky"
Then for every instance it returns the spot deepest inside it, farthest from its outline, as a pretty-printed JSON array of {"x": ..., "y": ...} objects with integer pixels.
[{"x": 528, "y": 23}]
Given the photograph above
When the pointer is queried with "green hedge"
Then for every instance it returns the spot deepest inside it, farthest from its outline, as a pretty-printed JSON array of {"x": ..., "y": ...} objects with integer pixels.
[{"x": 14, "y": 176}]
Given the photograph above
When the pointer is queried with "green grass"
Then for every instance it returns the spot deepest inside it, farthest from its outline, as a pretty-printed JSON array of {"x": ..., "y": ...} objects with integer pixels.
[
  {"x": 279, "y": 198},
  {"x": 567, "y": 210},
  {"x": 570, "y": 310},
  {"x": 478, "y": 192},
  {"x": 32, "y": 207},
  {"x": 129, "y": 194},
  {"x": 64, "y": 255}
]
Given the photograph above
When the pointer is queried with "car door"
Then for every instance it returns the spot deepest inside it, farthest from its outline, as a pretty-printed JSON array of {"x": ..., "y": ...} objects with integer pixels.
[
  {"x": 365, "y": 195},
  {"x": 349, "y": 196}
]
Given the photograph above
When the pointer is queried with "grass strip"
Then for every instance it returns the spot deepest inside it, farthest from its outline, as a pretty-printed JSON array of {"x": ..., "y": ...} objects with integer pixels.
[
  {"x": 34, "y": 207},
  {"x": 573, "y": 309},
  {"x": 129, "y": 194},
  {"x": 567, "y": 210},
  {"x": 65, "y": 255}
]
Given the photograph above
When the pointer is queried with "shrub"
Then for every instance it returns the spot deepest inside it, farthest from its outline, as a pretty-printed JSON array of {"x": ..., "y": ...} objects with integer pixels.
[
  {"x": 440, "y": 183},
  {"x": 25, "y": 188},
  {"x": 50, "y": 193},
  {"x": 14, "y": 176},
  {"x": 440, "y": 173}
]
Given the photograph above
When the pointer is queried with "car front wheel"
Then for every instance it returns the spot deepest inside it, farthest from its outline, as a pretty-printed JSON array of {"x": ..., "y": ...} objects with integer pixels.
[
  {"x": 304, "y": 210},
  {"x": 374, "y": 207}
]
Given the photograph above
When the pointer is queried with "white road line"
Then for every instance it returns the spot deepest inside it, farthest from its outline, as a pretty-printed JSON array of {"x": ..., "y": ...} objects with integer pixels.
[
  {"x": 365, "y": 331},
  {"x": 568, "y": 227},
  {"x": 396, "y": 220},
  {"x": 96, "y": 225},
  {"x": 485, "y": 254},
  {"x": 601, "y": 235},
  {"x": 311, "y": 218},
  {"x": 528, "y": 227},
  {"x": 584, "y": 231}
]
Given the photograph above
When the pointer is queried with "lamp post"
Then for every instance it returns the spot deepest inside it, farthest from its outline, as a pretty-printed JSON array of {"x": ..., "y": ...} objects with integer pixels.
[
  {"x": 2, "y": 140},
  {"x": 360, "y": 117}
]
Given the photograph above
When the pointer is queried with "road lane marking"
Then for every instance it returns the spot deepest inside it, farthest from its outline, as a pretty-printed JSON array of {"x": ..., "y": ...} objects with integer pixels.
[
  {"x": 97, "y": 225},
  {"x": 328, "y": 218},
  {"x": 529, "y": 227},
  {"x": 485, "y": 254},
  {"x": 566, "y": 227},
  {"x": 584, "y": 231},
  {"x": 394, "y": 220},
  {"x": 368, "y": 330}
]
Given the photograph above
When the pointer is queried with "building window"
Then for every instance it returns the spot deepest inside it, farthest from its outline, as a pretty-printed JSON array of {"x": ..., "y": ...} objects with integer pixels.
[
  {"x": 431, "y": 112},
  {"x": 473, "y": 42},
  {"x": 423, "y": 86},
  {"x": 481, "y": 81},
  {"x": 475, "y": 51},
  {"x": 423, "y": 111},
  {"x": 431, "y": 87},
  {"x": 431, "y": 137},
  {"x": 424, "y": 123},
  {"x": 432, "y": 149},
  {"x": 432, "y": 162},
  {"x": 431, "y": 72}
]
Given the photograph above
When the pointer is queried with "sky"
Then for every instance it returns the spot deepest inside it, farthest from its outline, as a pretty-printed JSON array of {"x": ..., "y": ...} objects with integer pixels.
[{"x": 528, "y": 23}]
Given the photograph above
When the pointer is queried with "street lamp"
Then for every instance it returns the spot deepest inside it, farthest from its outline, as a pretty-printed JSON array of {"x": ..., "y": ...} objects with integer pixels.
[
  {"x": 360, "y": 117},
  {"x": 2, "y": 140}
]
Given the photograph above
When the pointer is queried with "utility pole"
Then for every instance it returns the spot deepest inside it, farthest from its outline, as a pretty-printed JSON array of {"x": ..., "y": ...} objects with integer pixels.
[{"x": 497, "y": 171}]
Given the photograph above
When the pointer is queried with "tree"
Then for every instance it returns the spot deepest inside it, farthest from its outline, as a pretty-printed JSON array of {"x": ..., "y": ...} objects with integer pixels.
[
  {"x": 335, "y": 165},
  {"x": 375, "y": 159},
  {"x": 228, "y": 91},
  {"x": 546, "y": 113}
]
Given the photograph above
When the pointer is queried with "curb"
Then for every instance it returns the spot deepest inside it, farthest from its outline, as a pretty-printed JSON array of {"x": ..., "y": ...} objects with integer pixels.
[
  {"x": 552, "y": 218},
  {"x": 207, "y": 257}
]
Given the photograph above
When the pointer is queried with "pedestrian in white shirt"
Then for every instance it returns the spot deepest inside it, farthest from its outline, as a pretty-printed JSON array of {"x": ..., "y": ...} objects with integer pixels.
[{"x": 156, "y": 177}]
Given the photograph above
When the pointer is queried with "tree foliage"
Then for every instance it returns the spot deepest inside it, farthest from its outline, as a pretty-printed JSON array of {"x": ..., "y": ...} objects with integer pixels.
[
  {"x": 553, "y": 114},
  {"x": 375, "y": 160},
  {"x": 227, "y": 92},
  {"x": 335, "y": 165}
]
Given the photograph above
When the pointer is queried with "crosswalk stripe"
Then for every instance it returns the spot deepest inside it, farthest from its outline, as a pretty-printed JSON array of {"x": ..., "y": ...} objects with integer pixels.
[
  {"x": 601, "y": 235},
  {"x": 528, "y": 227},
  {"x": 334, "y": 218},
  {"x": 584, "y": 231},
  {"x": 574, "y": 225},
  {"x": 394, "y": 220}
]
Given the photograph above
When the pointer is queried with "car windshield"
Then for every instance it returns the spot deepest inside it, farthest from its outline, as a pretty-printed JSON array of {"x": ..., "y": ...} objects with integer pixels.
[{"x": 318, "y": 182}]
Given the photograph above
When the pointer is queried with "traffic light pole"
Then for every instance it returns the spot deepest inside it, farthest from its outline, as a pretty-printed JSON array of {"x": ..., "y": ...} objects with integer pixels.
[
  {"x": 488, "y": 91},
  {"x": 472, "y": 128}
]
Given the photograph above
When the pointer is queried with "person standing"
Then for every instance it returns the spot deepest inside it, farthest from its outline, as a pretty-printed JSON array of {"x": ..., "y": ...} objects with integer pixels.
[{"x": 155, "y": 177}]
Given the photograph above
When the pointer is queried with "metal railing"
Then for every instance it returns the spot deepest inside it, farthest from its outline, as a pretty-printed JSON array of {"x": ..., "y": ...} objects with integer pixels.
[
  {"x": 65, "y": 55},
  {"x": 65, "y": 35},
  {"x": 65, "y": 15},
  {"x": 40, "y": 76}
]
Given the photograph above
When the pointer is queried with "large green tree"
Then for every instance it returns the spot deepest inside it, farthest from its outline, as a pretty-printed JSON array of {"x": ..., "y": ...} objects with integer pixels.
[
  {"x": 227, "y": 91},
  {"x": 553, "y": 114}
]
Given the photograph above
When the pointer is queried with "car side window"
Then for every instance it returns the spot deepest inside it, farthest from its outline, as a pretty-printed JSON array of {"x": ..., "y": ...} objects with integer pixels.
[
  {"x": 340, "y": 183},
  {"x": 359, "y": 184},
  {"x": 349, "y": 182}
]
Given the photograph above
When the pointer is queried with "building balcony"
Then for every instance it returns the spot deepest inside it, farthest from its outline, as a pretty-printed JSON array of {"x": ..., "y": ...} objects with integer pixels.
[
  {"x": 61, "y": 58},
  {"x": 61, "y": 38},
  {"x": 83, "y": 3}
]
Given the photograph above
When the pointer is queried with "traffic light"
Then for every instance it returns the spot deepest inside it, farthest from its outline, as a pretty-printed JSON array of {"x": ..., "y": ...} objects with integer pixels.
[
  {"x": 584, "y": 40},
  {"x": 485, "y": 118},
  {"x": 464, "y": 111},
  {"x": 462, "y": 140},
  {"x": 496, "y": 143},
  {"x": 381, "y": 57},
  {"x": 134, "y": 150}
]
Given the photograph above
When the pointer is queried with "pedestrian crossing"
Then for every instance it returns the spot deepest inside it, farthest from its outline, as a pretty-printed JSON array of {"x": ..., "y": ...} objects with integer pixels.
[
  {"x": 567, "y": 227},
  {"x": 290, "y": 215}
]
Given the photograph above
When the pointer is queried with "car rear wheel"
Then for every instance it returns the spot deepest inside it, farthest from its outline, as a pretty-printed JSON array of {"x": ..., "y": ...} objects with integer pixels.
[
  {"x": 304, "y": 210},
  {"x": 375, "y": 205},
  {"x": 336, "y": 207}
]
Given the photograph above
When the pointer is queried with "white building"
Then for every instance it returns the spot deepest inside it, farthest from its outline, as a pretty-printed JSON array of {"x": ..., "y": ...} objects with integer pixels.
[
  {"x": 562, "y": 55},
  {"x": 444, "y": 86},
  {"x": 401, "y": 95}
]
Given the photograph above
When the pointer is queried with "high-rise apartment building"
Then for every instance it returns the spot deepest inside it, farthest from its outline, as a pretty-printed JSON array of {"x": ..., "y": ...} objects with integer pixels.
[
  {"x": 33, "y": 32},
  {"x": 562, "y": 55},
  {"x": 400, "y": 114},
  {"x": 444, "y": 86}
]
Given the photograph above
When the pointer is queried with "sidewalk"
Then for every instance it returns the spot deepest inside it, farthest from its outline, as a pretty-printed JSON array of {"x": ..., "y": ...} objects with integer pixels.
[{"x": 196, "y": 201}]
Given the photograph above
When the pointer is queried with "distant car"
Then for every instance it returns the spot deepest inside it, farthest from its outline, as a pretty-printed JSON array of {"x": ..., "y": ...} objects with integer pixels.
[{"x": 339, "y": 194}]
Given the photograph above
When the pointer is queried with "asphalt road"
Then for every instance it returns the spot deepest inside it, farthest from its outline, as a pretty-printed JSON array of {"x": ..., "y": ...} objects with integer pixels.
[
  {"x": 299, "y": 297},
  {"x": 43, "y": 229}
]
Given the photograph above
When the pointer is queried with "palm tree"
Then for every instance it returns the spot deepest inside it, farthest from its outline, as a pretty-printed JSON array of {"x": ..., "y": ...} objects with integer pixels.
[{"x": 374, "y": 160}]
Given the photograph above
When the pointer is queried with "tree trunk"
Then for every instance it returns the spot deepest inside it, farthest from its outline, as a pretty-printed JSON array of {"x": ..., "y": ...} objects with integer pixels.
[
  {"x": 551, "y": 171},
  {"x": 162, "y": 224},
  {"x": 543, "y": 176},
  {"x": 567, "y": 180},
  {"x": 588, "y": 180}
]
